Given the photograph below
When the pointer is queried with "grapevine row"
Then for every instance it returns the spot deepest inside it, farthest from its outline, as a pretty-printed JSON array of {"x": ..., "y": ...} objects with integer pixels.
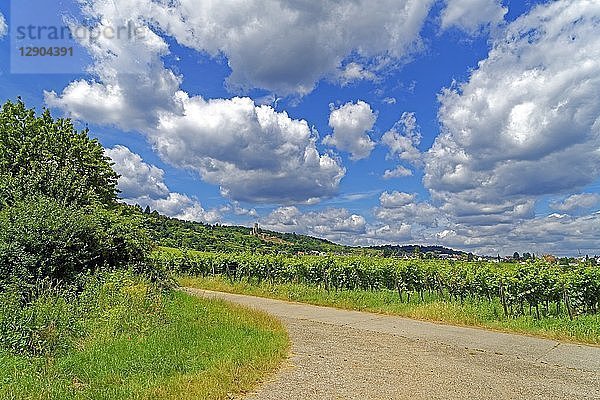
[{"x": 537, "y": 288}]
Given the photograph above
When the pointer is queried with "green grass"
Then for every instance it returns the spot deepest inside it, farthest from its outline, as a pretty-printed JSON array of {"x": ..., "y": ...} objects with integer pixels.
[
  {"x": 191, "y": 349},
  {"x": 584, "y": 329}
]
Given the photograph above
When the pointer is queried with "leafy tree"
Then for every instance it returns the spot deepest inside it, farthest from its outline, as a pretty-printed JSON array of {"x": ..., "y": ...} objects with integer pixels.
[
  {"x": 43, "y": 239},
  {"x": 40, "y": 155}
]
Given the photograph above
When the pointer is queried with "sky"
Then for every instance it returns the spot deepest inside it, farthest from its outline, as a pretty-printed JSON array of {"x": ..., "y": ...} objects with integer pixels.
[{"x": 472, "y": 124}]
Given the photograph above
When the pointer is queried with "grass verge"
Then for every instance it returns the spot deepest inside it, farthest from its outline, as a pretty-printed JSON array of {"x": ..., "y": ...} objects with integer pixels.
[
  {"x": 191, "y": 349},
  {"x": 584, "y": 329}
]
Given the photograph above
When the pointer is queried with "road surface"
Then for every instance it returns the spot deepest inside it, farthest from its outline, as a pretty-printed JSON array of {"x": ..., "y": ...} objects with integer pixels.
[{"x": 338, "y": 354}]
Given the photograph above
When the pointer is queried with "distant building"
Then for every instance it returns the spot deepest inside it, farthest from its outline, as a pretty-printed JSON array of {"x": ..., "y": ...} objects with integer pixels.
[{"x": 256, "y": 229}]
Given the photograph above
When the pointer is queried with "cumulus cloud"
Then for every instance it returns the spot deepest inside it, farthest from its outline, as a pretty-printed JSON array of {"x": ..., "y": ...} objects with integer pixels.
[
  {"x": 338, "y": 225},
  {"x": 558, "y": 234},
  {"x": 253, "y": 152},
  {"x": 577, "y": 202},
  {"x": 350, "y": 124},
  {"x": 355, "y": 72},
  {"x": 143, "y": 184},
  {"x": 402, "y": 141},
  {"x": 3, "y": 26},
  {"x": 472, "y": 15},
  {"x": 254, "y": 37},
  {"x": 136, "y": 177},
  {"x": 398, "y": 172},
  {"x": 180, "y": 206},
  {"x": 527, "y": 123},
  {"x": 330, "y": 223},
  {"x": 396, "y": 199},
  {"x": 237, "y": 209},
  {"x": 419, "y": 213},
  {"x": 131, "y": 86},
  {"x": 330, "y": 36}
]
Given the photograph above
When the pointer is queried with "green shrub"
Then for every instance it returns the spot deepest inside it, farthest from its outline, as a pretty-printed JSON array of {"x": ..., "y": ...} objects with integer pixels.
[{"x": 42, "y": 239}]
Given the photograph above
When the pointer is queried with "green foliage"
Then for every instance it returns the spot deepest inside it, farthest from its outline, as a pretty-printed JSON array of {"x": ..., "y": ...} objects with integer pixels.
[
  {"x": 536, "y": 289},
  {"x": 40, "y": 155},
  {"x": 42, "y": 239},
  {"x": 45, "y": 325},
  {"x": 48, "y": 321},
  {"x": 171, "y": 232},
  {"x": 139, "y": 343}
]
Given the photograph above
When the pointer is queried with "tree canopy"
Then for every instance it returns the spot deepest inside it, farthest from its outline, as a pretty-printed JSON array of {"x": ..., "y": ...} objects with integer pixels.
[{"x": 40, "y": 155}]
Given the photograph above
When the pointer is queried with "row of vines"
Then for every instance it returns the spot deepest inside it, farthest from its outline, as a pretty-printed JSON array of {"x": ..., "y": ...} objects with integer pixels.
[{"x": 538, "y": 289}]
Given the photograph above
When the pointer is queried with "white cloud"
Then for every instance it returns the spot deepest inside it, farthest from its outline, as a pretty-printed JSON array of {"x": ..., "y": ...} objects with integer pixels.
[
  {"x": 558, "y": 234},
  {"x": 330, "y": 223},
  {"x": 253, "y": 36},
  {"x": 180, "y": 206},
  {"x": 527, "y": 123},
  {"x": 583, "y": 201},
  {"x": 350, "y": 124},
  {"x": 355, "y": 72},
  {"x": 131, "y": 86},
  {"x": 403, "y": 140},
  {"x": 423, "y": 214},
  {"x": 3, "y": 26},
  {"x": 471, "y": 15},
  {"x": 336, "y": 224},
  {"x": 397, "y": 172},
  {"x": 143, "y": 184},
  {"x": 136, "y": 177},
  {"x": 396, "y": 199},
  {"x": 390, "y": 234},
  {"x": 253, "y": 152}
]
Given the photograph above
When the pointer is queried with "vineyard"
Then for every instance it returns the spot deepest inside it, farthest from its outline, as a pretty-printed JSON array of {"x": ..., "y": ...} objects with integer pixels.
[{"x": 535, "y": 288}]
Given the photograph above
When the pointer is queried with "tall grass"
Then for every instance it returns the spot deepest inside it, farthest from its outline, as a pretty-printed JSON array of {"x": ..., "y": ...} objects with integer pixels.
[{"x": 121, "y": 338}]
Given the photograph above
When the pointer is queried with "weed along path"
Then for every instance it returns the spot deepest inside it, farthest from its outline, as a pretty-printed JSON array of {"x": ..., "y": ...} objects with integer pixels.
[{"x": 338, "y": 354}]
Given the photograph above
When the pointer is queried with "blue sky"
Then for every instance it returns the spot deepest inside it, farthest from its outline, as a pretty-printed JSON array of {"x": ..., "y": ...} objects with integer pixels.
[{"x": 473, "y": 124}]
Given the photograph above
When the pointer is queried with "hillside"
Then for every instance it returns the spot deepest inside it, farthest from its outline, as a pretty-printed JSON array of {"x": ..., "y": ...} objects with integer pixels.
[{"x": 172, "y": 232}]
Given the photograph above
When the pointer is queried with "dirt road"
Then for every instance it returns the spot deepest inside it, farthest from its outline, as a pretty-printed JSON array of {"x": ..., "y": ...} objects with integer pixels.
[{"x": 339, "y": 354}]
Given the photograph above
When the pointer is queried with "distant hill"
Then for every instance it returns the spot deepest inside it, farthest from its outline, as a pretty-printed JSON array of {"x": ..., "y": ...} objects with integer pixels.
[
  {"x": 406, "y": 250},
  {"x": 172, "y": 232}
]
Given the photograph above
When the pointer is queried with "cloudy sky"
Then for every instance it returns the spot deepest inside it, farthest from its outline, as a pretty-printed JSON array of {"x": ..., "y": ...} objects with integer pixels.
[{"x": 473, "y": 124}]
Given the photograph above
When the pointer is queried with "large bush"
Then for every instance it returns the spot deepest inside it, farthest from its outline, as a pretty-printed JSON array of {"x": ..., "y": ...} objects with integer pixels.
[
  {"x": 44, "y": 239},
  {"x": 47, "y": 156}
]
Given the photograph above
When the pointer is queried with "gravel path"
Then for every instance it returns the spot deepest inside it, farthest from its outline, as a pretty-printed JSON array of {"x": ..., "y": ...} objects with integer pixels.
[{"x": 339, "y": 354}]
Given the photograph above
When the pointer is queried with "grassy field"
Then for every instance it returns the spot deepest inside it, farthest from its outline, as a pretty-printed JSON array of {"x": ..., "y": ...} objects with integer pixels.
[
  {"x": 191, "y": 348},
  {"x": 584, "y": 329}
]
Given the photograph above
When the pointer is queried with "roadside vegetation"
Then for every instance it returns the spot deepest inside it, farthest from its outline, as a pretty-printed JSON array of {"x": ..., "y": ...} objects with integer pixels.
[
  {"x": 85, "y": 312},
  {"x": 559, "y": 302},
  {"x": 584, "y": 329}
]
